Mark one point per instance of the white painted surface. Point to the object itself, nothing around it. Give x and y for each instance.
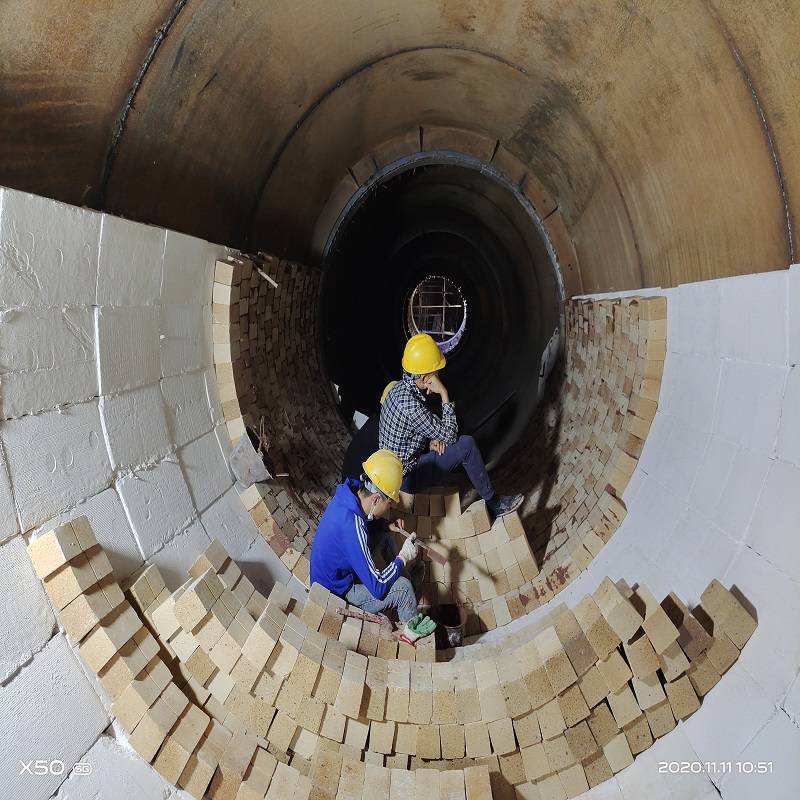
(224, 442)
(205, 469)
(9, 524)
(183, 334)
(66, 453)
(728, 484)
(179, 553)
(642, 779)
(789, 427)
(226, 519)
(54, 714)
(793, 327)
(748, 409)
(186, 405)
(776, 746)
(776, 521)
(48, 252)
(128, 347)
(772, 656)
(55, 459)
(131, 443)
(117, 772)
(753, 317)
(699, 552)
(672, 453)
(26, 616)
(732, 714)
(186, 269)
(47, 356)
(791, 704)
(157, 503)
(658, 514)
(691, 395)
(676, 747)
(212, 396)
(694, 317)
(607, 790)
(130, 263)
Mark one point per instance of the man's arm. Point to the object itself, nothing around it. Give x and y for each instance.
(378, 582)
(430, 426)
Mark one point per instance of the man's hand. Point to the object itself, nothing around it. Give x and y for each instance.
(433, 383)
(398, 526)
(408, 552)
(438, 446)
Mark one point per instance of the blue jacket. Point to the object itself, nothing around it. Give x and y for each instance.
(340, 552)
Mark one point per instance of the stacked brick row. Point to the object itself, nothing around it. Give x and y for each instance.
(217, 685)
(581, 450)
(154, 685)
(479, 561)
(267, 361)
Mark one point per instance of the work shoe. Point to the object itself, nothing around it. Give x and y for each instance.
(502, 504)
(468, 498)
(417, 628)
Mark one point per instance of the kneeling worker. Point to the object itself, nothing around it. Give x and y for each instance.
(340, 556)
(428, 444)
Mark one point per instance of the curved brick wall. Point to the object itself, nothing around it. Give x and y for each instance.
(574, 463)
(268, 368)
(230, 684)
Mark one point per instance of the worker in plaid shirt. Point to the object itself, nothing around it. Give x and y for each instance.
(427, 444)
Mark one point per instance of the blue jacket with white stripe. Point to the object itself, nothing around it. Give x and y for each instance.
(340, 552)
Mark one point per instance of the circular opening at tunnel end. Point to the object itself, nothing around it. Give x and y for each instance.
(437, 307)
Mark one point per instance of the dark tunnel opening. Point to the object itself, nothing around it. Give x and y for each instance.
(457, 221)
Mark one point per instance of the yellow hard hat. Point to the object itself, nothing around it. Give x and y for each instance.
(422, 355)
(389, 387)
(385, 470)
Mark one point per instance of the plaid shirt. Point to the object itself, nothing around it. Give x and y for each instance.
(407, 426)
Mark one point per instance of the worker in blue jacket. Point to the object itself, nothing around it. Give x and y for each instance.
(340, 556)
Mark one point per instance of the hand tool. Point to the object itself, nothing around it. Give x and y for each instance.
(382, 620)
(435, 555)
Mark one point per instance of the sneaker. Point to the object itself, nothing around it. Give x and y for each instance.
(502, 504)
(470, 497)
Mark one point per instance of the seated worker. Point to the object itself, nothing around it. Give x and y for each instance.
(340, 557)
(364, 442)
(429, 445)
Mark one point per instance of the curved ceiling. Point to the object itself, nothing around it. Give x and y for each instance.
(668, 134)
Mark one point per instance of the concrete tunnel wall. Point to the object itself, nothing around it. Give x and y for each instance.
(668, 140)
(667, 136)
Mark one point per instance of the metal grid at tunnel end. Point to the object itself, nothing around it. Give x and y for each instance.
(437, 307)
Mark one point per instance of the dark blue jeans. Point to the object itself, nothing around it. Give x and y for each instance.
(431, 466)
